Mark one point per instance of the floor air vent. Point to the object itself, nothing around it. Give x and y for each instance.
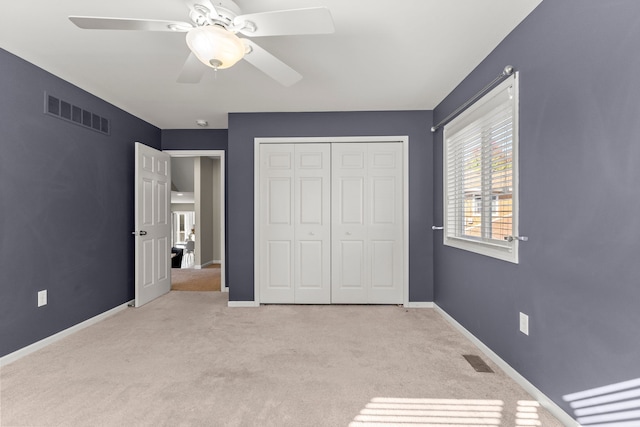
(74, 114)
(477, 363)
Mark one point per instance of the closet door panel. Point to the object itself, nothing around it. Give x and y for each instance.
(349, 249)
(312, 223)
(384, 219)
(276, 223)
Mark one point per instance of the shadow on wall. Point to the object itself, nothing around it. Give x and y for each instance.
(612, 405)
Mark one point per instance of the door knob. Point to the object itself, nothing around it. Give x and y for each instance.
(348, 233)
(311, 233)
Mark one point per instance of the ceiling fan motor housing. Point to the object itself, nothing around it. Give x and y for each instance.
(224, 13)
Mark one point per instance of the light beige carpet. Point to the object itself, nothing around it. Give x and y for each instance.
(187, 359)
(191, 279)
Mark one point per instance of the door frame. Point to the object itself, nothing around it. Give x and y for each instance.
(223, 221)
(404, 139)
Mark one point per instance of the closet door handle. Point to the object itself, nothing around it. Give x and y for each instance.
(311, 233)
(348, 233)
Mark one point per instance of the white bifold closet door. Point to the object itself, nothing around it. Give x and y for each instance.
(330, 223)
(367, 228)
(295, 223)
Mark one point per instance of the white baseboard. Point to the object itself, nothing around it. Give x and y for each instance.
(419, 304)
(12, 357)
(547, 403)
(224, 289)
(206, 264)
(236, 304)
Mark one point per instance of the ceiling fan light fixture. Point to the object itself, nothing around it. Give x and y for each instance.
(215, 47)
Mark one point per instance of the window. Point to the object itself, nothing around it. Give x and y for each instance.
(481, 175)
(183, 222)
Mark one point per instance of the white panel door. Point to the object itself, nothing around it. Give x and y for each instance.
(367, 244)
(152, 224)
(277, 230)
(349, 259)
(312, 223)
(384, 223)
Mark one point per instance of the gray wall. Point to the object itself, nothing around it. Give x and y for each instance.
(194, 139)
(579, 275)
(182, 174)
(66, 207)
(244, 127)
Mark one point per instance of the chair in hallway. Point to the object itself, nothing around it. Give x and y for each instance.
(188, 250)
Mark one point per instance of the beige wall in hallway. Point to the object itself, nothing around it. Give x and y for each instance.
(217, 217)
(204, 208)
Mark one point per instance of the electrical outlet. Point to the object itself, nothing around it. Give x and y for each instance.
(524, 323)
(42, 298)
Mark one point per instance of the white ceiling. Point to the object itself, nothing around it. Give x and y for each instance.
(392, 55)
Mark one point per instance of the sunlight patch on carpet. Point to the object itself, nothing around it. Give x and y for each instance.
(388, 411)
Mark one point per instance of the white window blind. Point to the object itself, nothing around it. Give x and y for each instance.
(480, 175)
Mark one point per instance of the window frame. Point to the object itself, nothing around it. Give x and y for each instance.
(507, 251)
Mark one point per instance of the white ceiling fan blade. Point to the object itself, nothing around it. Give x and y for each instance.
(102, 23)
(192, 70)
(314, 20)
(270, 65)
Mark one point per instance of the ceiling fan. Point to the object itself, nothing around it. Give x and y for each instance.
(212, 35)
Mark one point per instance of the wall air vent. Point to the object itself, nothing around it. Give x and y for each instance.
(74, 114)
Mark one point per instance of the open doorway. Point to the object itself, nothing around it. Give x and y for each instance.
(198, 217)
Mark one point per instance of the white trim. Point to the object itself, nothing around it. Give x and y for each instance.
(328, 139)
(419, 304)
(32, 348)
(205, 265)
(547, 403)
(241, 304)
(405, 208)
(256, 216)
(220, 154)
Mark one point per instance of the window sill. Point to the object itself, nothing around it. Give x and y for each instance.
(505, 253)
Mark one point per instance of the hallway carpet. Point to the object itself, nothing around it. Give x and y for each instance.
(191, 279)
(186, 359)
